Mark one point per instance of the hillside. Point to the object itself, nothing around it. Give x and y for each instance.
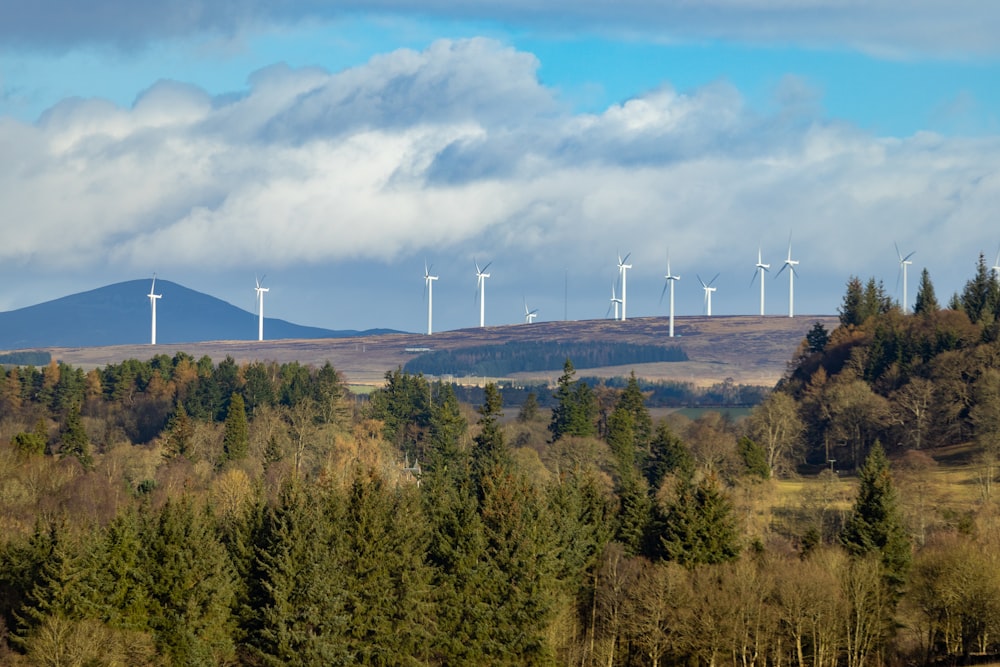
(746, 349)
(119, 314)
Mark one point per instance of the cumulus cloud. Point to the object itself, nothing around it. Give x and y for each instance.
(459, 150)
(893, 27)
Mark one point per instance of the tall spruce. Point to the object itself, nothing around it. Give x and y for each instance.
(73, 438)
(576, 408)
(236, 437)
(926, 302)
(699, 526)
(875, 525)
(981, 295)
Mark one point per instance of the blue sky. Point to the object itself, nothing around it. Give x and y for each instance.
(336, 149)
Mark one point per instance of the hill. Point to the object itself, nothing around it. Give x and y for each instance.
(119, 314)
(744, 349)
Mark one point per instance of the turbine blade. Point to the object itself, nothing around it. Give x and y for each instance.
(700, 280)
(487, 266)
(782, 269)
(666, 283)
(714, 279)
(909, 256)
(754, 278)
(898, 254)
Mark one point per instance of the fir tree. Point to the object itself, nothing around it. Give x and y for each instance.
(699, 526)
(668, 456)
(236, 439)
(73, 438)
(180, 434)
(191, 586)
(529, 409)
(851, 307)
(876, 523)
(489, 453)
(817, 337)
(754, 458)
(981, 295)
(575, 408)
(926, 302)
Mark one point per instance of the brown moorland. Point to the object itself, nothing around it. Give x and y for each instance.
(744, 349)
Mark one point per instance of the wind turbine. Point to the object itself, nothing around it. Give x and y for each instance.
(761, 268)
(614, 302)
(903, 263)
(153, 296)
(708, 292)
(529, 315)
(260, 307)
(996, 265)
(622, 269)
(429, 284)
(481, 277)
(670, 279)
(789, 264)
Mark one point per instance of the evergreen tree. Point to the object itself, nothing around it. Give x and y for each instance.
(575, 408)
(851, 308)
(876, 523)
(634, 503)
(926, 302)
(73, 438)
(296, 613)
(191, 586)
(236, 438)
(115, 580)
(875, 301)
(385, 575)
(754, 458)
(489, 453)
(817, 337)
(180, 434)
(698, 526)
(668, 455)
(529, 409)
(981, 295)
(633, 402)
(403, 405)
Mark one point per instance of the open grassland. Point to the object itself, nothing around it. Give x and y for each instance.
(745, 349)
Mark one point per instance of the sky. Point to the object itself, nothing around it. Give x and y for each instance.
(339, 148)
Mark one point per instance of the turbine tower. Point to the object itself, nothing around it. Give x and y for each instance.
(429, 285)
(153, 296)
(789, 264)
(708, 292)
(529, 315)
(670, 280)
(260, 307)
(614, 302)
(903, 263)
(481, 277)
(622, 269)
(761, 268)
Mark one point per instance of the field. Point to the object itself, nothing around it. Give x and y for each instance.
(744, 349)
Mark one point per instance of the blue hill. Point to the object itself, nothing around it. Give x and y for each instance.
(119, 314)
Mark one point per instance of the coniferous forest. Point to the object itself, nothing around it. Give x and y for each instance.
(180, 512)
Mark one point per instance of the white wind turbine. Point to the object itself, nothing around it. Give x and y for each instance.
(670, 280)
(903, 263)
(614, 302)
(429, 284)
(260, 307)
(761, 268)
(481, 277)
(708, 292)
(789, 264)
(622, 269)
(153, 296)
(529, 315)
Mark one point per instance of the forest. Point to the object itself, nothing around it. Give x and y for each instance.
(180, 512)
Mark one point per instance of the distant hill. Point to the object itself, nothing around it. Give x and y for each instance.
(119, 314)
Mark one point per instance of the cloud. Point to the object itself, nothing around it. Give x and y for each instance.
(457, 151)
(890, 27)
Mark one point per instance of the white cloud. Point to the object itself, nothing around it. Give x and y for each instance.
(458, 150)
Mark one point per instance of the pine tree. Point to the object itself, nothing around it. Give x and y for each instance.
(236, 439)
(926, 302)
(817, 337)
(575, 408)
(668, 456)
(851, 308)
(529, 409)
(74, 438)
(190, 585)
(876, 523)
(490, 454)
(296, 613)
(699, 526)
(981, 295)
